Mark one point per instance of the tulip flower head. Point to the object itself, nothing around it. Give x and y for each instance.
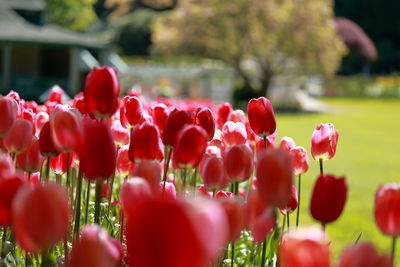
(261, 116)
(19, 136)
(234, 133)
(238, 163)
(30, 160)
(300, 160)
(287, 143)
(328, 198)
(324, 141)
(145, 143)
(9, 112)
(387, 209)
(101, 92)
(131, 112)
(304, 247)
(205, 119)
(364, 255)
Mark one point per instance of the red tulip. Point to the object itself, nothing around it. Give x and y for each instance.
(169, 191)
(65, 126)
(328, 198)
(387, 209)
(364, 255)
(274, 176)
(270, 142)
(150, 170)
(287, 143)
(96, 248)
(40, 217)
(6, 164)
(79, 103)
(59, 164)
(131, 111)
(40, 120)
(238, 162)
(205, 119)
(261, 116)
(213, 173)
(190, 147)
(160, 115)
(305, 247)
(292, 204)
(30, 160)
(323, 142)
(223, 111)
(101, 92)
(134, 192)
(8, 111)
(9, 187)
(175, 122)
(186, 234)
(237, 116)
(19, 136)
(56, 94)
(234, 133)
(224, 194)
(235, 212)
(300, 160)
(119, 133)
(97, 152)
(46, 144)
(145, 143)
(260, 217)
(124, 165)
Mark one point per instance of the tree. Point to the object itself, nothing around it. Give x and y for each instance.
(73, 14)
(271, 36)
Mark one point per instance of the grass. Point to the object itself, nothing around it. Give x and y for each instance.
(368, 154)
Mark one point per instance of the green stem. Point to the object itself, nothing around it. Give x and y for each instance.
(47, 260)
(232, 253)
(110, 196)
(284, 223)
(78, 204)
(168, 152)
(97, 202)
(265, 142)
(321, 167)
(47, 175)
(236, 186)
(194, 177)
(323, 226)
(393, 249)
(3, 242)
(66, 248)
(288, 219)
(29, 177)
(87, 201)
(184, 180)
(58, 179)
(299, 197)
(264, 248)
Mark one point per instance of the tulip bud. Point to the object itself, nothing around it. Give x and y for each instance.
(205, 119)
(261, 116)
(9, 187)
(65, 126)
(96, 248)
(19, 136)
(40, 217)
(387, 209)
(79, 103)
(234, 133)
(101, 92)
(169, 191)
(190, 147)
(124, 165)
(212, 172)
(59, 164)
(56, 94)
(30, 160)
(8, 111)
(145, 143)
(274, 176)
(223, 111)
(174, 123)
(287, 143)
(160, 115)
(304, 247)
(237, 116)
(292, 204)
(41, 119)
(323, 142)
(328, 198)
(46, 144)
(131, 111)
(119, 133)
(364, 255)
(238, 162)
(97, 151)
(300, 160)
(260, 217)
(150, 170)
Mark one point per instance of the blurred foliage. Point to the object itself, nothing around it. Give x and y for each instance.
(381, 21)
(258, 38)
(363, 86)
(73, 14)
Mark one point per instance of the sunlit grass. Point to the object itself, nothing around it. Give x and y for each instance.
(368, 154)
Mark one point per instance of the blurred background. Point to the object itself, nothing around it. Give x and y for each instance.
(336, 61)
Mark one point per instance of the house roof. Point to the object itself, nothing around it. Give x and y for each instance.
(14, 29)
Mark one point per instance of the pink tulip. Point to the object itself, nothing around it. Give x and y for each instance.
(300, 160)
(30, 160)
(19, 136)
(234, 133)
(324, 141)
(8, 111)
(238, 162)
(287, 143)
(134, 192)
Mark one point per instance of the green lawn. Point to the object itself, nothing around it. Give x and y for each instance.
(368, 154)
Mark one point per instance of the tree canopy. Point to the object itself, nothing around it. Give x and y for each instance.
(269, 36)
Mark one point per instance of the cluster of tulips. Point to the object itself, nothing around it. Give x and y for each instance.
(176, 184)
